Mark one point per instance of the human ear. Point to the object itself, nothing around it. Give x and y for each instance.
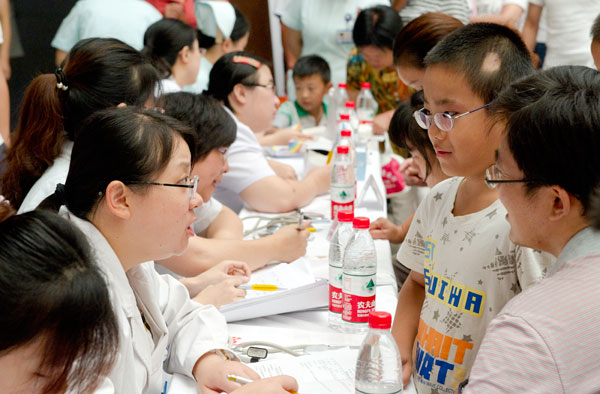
(117, 199)
(239, 93)
(184, 54)
(227, 45)
(561, 203)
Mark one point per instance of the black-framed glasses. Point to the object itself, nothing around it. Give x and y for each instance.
(443, 120)
(189, 183)
(493, 176)
(270, 86)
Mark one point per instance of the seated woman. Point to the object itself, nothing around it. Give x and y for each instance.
(136, 208)
(244, 85)
(172, 47)
(218, 228)
(372, 61)
(59, 332)
(99, 73)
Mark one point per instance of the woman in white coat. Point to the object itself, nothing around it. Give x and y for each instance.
(129, 190)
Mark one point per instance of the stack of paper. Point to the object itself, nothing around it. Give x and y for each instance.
(303, 292)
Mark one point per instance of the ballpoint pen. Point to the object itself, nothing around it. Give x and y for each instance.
(261, 287)
(243, 380)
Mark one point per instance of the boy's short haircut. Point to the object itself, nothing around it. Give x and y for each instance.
(312, 65)
(404, 132)
(210, 122)
(552, 120)
(595, 32)
(489, 56)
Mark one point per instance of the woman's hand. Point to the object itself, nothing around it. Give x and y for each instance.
(283, 137)
(216, 274)
(283, 170)
(290, 242)
(211, 373)
(223, 293)
(281, 384)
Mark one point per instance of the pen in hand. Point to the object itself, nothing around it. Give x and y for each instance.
(243, 380)
(261, 287)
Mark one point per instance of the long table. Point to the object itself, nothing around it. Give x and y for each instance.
(311, 327)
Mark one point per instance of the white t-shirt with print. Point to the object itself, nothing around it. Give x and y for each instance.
(247, 164)
(206, 214)
(471, 270)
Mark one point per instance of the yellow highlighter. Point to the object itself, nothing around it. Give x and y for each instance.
(261, 287)
(243, 380)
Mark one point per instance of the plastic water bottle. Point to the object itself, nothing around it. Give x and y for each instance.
(342, 183)
(358, 276)
(345, 139)
(338, 243)
(350, 109)
(379, 366)
(366, 108)
(341, 96)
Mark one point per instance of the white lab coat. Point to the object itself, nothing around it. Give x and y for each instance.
(182, 329)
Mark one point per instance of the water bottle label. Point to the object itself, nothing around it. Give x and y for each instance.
(359, 297)
(336, 207)
(335, 289)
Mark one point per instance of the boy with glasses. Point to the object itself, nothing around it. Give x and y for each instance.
(464, 268)
(546, 339)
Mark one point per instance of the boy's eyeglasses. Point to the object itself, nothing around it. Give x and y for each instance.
(442, 120)
(190, 183)
(493, 176)
(269, 86)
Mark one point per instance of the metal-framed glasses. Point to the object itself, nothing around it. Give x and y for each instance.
(270, 86)
(493, 176)
(443, 120)
(187, 182)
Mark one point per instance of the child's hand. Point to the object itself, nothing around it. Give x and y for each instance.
(384, 229)
(410, 172)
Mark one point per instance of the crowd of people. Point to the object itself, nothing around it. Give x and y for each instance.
(122, 182)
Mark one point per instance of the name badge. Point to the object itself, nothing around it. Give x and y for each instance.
(344, 36)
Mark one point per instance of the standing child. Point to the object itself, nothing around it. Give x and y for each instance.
(464, 266)
(312, 80)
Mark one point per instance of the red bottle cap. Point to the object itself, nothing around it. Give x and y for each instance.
(344, 117)
(359, 222)
(380, 320)
(342, 85)
(345, 216)
(342, 150)
(365, 85)
(350, 104)
(346, 133)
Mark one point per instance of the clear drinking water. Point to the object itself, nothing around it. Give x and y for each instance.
(379, 366)
(338, 243)
(358, 275)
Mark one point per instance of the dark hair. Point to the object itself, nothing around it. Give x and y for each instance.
(489, 56)
(100, 73)
(595, 31)
(226, 73)
(53, 292)
(552, 120)
(213, 126)
(405, 133)
(164, 40)
(126, 144)
(594, 212)
(376, 26)
(241, 27)
(421, 34)
(312, 65)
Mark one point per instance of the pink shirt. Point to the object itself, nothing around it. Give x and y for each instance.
(547, 339)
